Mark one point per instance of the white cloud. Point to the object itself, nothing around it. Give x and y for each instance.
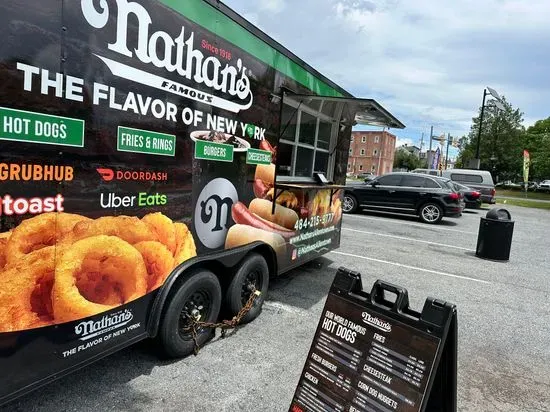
(426, 61)
(272, 6)
(404, 141)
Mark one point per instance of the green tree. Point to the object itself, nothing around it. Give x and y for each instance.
(537, 141)
(501, 143)
(404, 159)
(465, 152)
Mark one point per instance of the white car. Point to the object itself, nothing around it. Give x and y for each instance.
(544, 186)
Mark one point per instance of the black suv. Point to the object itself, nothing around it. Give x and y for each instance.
(426, 196)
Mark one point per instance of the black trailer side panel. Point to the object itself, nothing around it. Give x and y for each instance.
(109, 181)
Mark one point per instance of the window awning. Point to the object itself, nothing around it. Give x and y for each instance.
(363, 111)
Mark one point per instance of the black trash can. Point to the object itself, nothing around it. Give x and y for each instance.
(494, 239)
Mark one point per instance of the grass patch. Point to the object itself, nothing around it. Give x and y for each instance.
(522, 195)
(524, 203)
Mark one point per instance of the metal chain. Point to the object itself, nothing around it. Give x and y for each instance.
(224, 324)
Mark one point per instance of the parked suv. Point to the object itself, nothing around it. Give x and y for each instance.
(480, 180)
(428, 197)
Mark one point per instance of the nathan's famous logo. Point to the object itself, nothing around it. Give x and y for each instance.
(32, 172)
(142, 199)
(35, 205)
(172, 53)
(90, 329)
(213, 212)
(132, 175)
(376, 322)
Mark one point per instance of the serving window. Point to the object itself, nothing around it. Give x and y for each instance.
(307, 135)
(309, 130)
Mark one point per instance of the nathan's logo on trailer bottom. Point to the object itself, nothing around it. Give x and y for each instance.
(90, 329)
(213, 212)
(376, 322)
(173, 54)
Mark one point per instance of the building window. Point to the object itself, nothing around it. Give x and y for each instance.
(364, 139)
(375, 152)
(352, 138)
(376, 139)
(349, 167)
(373, 168)
(304, 147)
(362, 152)
(351, 152)
(360, 167)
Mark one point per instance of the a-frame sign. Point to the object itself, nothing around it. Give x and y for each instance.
(372, 353)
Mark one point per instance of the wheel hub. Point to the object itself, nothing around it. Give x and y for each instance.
(348, 204)
(249, 285)
(431, 213)
(196, 309)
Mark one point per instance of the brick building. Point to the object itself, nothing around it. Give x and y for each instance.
(371, 152)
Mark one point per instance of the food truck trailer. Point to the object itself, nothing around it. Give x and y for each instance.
(160, 160)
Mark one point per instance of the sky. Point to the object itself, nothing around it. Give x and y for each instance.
(426, 61)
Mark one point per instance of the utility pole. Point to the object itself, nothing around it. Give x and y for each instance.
(428, 156)
(422, 141)
(447, 154)
(480, 125)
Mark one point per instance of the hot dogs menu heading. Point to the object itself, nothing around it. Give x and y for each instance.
(361, 360)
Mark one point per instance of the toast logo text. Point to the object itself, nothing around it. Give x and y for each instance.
(376, 322)
(35, 173)
(34, 205)
(143, 199)
(213, 212)
(109, 175)
(92, 328)
(174, 53)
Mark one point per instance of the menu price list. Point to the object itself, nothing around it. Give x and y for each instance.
(361, 360)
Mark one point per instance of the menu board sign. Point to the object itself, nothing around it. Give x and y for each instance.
(363, 359)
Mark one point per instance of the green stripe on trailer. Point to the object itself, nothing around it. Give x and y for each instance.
(211, 19)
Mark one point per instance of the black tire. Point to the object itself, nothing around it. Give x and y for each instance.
(350, 203)
(430, 213)
(200, 292)
(252, 270)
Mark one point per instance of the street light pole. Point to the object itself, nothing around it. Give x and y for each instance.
(430, 151)
(480, 124)
(447, 154)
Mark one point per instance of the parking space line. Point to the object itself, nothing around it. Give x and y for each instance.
(404, 222)
(407, 238)
(436, 272)
(279, 306)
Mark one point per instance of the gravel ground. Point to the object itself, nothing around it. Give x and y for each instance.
(503, 315)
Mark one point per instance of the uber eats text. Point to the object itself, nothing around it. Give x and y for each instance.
(112, 200)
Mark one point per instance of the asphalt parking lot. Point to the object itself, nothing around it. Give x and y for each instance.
(503, 315)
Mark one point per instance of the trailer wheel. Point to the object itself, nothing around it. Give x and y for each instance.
(253, 271)
(200, 296)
